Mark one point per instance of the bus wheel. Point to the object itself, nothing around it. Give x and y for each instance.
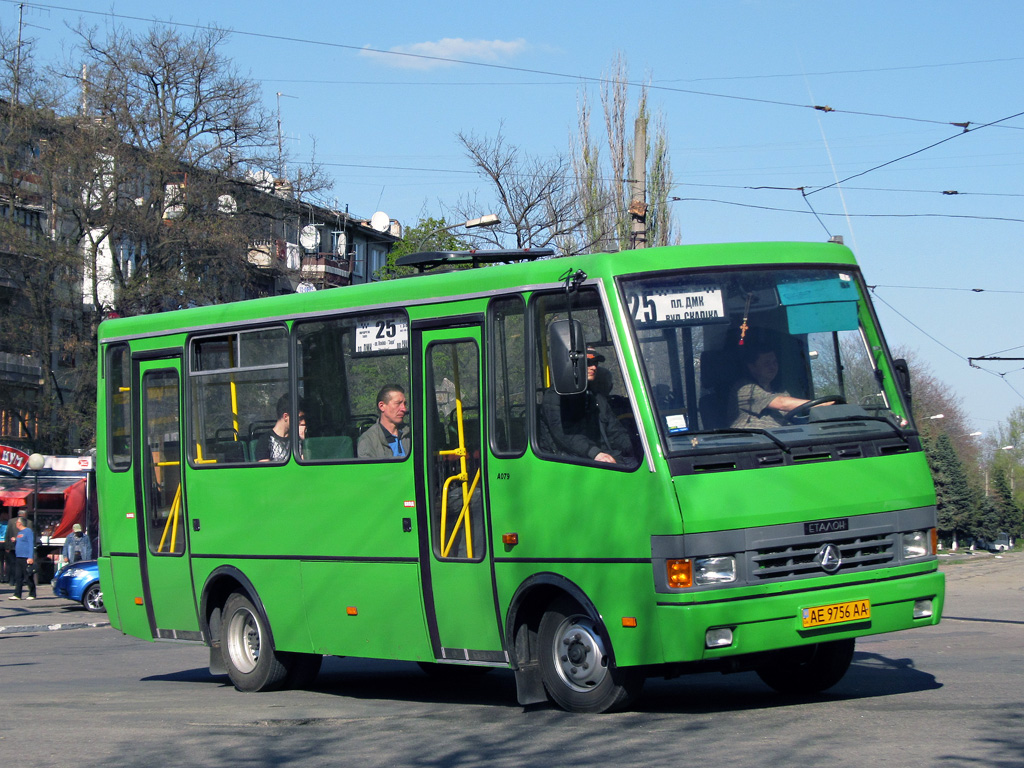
(807, 670)
(248, 652)
(574, 662)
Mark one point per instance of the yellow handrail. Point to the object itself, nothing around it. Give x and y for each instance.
(462, 476)
(174, 514)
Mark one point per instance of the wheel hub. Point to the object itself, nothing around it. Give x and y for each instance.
(581, 661)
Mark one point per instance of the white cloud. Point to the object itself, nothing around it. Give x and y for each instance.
(441, 53)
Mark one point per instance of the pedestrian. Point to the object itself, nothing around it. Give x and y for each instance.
(8, 550)
(5, 577)
(77, 546)
(24, 560)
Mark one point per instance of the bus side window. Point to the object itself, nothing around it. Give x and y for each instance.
(507, 360)
(236, 380)
(597, 425)
(119, 407)
(342, 364)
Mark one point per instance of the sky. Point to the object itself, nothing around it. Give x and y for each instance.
(379, 92)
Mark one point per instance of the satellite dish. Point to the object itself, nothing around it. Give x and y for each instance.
(309, 237)
(262, 180)
(226, 204)
(341, 247)
(380, 221)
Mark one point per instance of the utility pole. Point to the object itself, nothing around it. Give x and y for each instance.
(638, 184)
(17, 55)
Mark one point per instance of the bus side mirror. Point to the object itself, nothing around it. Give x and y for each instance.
(902, 371)
(567, 357)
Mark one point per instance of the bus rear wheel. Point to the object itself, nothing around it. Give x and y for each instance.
(247, 648)
(807, 670)
(575, 663)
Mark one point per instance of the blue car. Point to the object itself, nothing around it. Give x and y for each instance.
(80, 582)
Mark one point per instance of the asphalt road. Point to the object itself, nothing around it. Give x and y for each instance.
(949, 695)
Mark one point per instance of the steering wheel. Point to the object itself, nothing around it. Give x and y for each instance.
(801, 411)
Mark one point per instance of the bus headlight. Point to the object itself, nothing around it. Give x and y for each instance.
(714, 570)
(916, 544)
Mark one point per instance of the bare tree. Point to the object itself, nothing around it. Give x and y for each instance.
(603, 187)
(42, 334)
(175, 131)
(535, 197)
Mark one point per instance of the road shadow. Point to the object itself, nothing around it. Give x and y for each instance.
(871, 675)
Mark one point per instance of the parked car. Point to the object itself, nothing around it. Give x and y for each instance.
(80, 582)
(1001, 543)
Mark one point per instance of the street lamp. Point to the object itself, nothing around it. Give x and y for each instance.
(487, 220)
(937, 416)
(36, 462)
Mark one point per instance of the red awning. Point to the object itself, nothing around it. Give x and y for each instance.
(15, 497)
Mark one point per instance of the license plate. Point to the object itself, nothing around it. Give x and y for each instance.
(837, 613)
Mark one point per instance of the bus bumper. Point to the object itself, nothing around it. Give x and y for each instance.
(724, 627)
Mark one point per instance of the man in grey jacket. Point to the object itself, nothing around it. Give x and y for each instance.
(389, 437)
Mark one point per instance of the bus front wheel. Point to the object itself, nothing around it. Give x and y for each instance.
(575, 663)
(247, 648)
(807, 670)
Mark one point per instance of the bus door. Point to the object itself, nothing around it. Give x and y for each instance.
(458, 574)
(161, 513)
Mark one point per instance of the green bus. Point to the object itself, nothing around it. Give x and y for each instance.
(615, 466)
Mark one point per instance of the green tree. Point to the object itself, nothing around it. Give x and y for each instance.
(956, 503)
(604, 186)
(428, 234)
(1004, 514)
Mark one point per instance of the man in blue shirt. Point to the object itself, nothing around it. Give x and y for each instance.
(24, 550)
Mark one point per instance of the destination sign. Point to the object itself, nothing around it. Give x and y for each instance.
(699, 304)
(382, 333)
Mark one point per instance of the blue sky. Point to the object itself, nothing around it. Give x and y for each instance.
(735, 81)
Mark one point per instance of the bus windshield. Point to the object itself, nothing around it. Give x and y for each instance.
(738, 359)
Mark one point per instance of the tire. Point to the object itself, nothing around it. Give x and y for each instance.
(575, 662)
(808, 670)
(302, 669)
(247, 649)
(92, 598)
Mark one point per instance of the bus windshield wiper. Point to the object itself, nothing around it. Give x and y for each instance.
(752, 430)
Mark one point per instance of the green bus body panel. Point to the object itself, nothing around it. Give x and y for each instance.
(107, 585)
(577, 511)
(388, 622)
(126, 579)
(814, 491)
(353, 510)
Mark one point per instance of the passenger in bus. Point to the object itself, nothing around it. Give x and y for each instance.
(585, 425)
(389, 437)
(273, 446)
(756, 403)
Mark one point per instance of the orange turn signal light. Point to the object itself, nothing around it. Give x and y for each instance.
(679, 573)
(352, 611)
(935, 541)
(628, 621)
(510, 538)
(138, 601)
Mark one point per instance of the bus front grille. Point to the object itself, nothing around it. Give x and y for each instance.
(804, 559)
